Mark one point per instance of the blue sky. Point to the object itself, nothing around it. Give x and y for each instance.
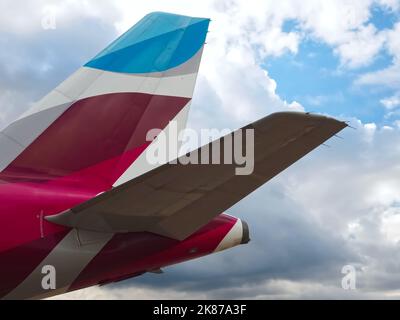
(315, 77)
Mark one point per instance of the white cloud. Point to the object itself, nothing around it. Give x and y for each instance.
(129, 293)
(392, 5)
(393, 41)
(29, 21)
(391, 225)
(366, 38)
(389, 76)
(264, 290)
(391, 102)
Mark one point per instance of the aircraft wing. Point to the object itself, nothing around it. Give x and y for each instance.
(176, 200)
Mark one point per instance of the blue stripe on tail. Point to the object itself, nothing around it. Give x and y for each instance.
(159, 42)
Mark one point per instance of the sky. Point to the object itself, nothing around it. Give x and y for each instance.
(338, 206)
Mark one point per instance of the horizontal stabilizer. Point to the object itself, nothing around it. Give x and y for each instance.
(176, 200)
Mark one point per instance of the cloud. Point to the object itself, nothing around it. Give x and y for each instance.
(391, 102)
(387, 77)
(366, 38)
(66, 12)
(392, 5)
(35, 60)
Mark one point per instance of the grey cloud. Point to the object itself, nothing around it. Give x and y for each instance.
(32, 64)
(285, 245)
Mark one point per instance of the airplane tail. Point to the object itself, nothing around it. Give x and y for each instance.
(92, 128)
